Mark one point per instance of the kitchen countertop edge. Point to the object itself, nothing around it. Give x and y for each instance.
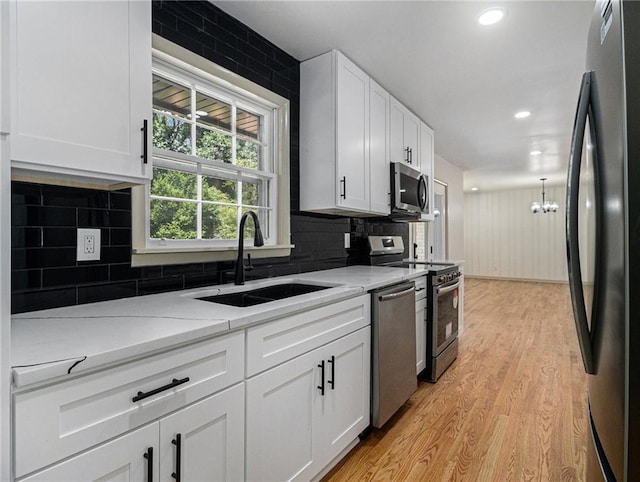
(81, 326)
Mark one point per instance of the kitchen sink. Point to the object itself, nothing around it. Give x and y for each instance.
(266, 294)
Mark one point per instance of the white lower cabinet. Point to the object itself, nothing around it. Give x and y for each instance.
(279, 401)
(122, 459)
(305, 412)
(204, 441)
(196, 391)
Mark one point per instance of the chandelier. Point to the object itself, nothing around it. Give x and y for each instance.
(546, 206)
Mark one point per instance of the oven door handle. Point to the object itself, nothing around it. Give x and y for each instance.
(447, 289)
(399, 294)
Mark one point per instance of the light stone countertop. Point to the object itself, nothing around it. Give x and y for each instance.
(53, 343)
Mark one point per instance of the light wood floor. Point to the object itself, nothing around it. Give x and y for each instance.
(510, 408)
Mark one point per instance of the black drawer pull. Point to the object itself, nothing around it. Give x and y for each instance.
(174, 383)
(321, 387)
(333, 372)
(149, 456)
(178, 443)
(144, 130)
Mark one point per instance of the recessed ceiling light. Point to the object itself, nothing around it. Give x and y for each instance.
(535, 153)
(491, 16)
(474, 188)
(202, 113)
(522, 114)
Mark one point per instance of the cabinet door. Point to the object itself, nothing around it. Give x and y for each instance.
(81, 88)
(120, 460)
(405, 135)
(411, 138)
(379, 186)
(421, 334)
(426, 164)
(208, 438)
(352, 133)
(398, 149)
(282, 409)
(346, 404)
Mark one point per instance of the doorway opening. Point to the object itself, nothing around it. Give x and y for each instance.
(429, 240)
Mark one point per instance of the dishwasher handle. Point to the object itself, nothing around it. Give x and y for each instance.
(399, 294)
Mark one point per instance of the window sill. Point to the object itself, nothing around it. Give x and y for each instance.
(159, 256)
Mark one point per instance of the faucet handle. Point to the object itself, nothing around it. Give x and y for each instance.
(249, 266)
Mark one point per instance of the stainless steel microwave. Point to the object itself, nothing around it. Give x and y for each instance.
(409, 192)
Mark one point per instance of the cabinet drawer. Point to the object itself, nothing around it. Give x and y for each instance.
(57, 421)
(273, 343)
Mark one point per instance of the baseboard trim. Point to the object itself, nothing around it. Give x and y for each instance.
(525, 280)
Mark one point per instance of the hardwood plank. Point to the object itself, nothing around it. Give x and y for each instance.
(512, 407)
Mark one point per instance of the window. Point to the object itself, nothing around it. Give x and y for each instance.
(218, 151)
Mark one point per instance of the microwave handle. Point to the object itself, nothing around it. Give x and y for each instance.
(423, 188)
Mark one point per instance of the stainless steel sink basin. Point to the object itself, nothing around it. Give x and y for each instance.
(266, 294)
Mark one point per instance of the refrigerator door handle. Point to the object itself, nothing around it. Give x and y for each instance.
(573, 252)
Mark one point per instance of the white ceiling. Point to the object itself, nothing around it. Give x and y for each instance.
(465, 80)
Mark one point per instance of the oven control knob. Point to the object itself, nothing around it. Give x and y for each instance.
(441, 279)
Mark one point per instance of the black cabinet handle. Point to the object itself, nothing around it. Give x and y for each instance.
(321, 387)
(343, 181)
(411, 156)
(174, 383)
(406, 149)
(333, 372)
(145, 152)
(149, 456)
(178, 443)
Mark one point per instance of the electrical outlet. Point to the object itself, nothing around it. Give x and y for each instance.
(88, 245)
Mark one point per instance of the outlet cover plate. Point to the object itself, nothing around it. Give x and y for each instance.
(88, 245)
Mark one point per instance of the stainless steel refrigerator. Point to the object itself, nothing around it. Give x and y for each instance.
(603, 238)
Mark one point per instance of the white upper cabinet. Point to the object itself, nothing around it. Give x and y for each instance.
(352, 135)
(405, 134)
(81, 90)
(350, 130)
(379, 187)
(427, 165)
(335, 122)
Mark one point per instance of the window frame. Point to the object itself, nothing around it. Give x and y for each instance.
(170, 61)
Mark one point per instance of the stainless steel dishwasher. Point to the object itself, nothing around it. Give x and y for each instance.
(394, 350)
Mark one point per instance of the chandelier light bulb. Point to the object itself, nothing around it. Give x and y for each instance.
(545, 206)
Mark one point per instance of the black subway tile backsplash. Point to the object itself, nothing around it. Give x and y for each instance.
(45, 273)
(62, 196)
(43, 299)
(26, 280)
(59, 237)
(160, 285)
(120, 237)
(106, 292)
(74, 276)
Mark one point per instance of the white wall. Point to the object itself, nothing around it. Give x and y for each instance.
(452, 176)
(504, 239)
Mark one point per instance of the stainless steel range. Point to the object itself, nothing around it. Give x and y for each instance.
(443, 291)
